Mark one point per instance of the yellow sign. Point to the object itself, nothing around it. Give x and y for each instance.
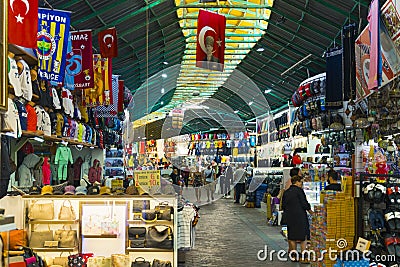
(147, 179)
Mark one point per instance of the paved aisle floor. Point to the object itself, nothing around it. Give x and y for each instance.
(229, 235)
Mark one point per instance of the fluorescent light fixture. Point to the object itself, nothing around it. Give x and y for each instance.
(251, 103)
(38, 139)
(214, 129)
(236, 111)
(92, 147)
(164, 75)
(165, 63)
(261, 49)
(11, 134)
(162, 90)
(144, 138)
(162, 103)
(267, 91)
(194, 106)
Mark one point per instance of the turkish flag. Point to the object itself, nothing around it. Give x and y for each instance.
(108, 43)
(23, 22)
(210, 40)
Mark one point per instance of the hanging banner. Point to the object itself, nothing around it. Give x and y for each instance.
(99, 95)
(80, 60)
(147, 179)
(111, 111)
(390, 59)
(108, 43)
(52, 43)
(375, 63)
(69, 81)
(210, 47)
(22, 22)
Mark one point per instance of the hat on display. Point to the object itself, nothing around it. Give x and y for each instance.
(34, 190)
(81, 190)
(105, 190)
(132, 190)
(93, 190)
(47, 190)
(69, 190)
(119, 191)
(58, 192)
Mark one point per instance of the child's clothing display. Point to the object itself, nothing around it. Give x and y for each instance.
(63, 157)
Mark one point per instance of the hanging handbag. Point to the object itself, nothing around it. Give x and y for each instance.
(160, 263)
(41, 211)
(79, 260)
(99, 261)
(139, 205)
(66, 238)
(159, 236)
(137, 237)
(140, 262)
(149, 216)
(164, 211)
(67, 212)
(120, 260)
(38, 238)
(61, 261)
(17, 239)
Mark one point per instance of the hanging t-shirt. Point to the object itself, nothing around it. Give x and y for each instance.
(13, 76)
(56, 99)
(23, 115)
(25, 80)
(12, 119)
(43, 120)
(67, 102)
(32, 118)
(81, 129)
(59, 125)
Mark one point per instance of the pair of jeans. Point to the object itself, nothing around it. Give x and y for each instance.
(239, 189)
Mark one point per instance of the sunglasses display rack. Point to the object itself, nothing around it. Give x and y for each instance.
(379, 215)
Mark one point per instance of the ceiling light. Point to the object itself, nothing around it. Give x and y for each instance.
(236, 111)
(164, 75)
(162, 103)
(261, 49)
(165, 63)
(267, 91)
(162, 90)
(250, 103)
(214, 129)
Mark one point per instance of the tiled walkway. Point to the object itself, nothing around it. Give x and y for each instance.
(229, 235)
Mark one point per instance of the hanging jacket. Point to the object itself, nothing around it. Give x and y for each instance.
(86, 166)
(56, 99)
(25, 80)
(13, 76)
(59, 125)
(78, 169)
(63, 155)
(22, 113)
(67, 102)
(5, 167)
(46, 172)
(95, 172)
(43, 120)
(25, 171)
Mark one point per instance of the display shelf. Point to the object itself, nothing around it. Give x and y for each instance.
(149, 250)
(26, 53)
(53, 221)
(55, 249)
(100, 236)
(158, 222)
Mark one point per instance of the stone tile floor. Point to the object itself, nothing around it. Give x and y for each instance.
(230, 235)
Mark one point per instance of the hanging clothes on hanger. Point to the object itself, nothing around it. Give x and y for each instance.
(63, 157)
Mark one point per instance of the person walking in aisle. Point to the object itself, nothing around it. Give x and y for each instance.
(239, 177)
(228, 180)
(209, 178)
(293, 172)
(197, 183)
(295, 207)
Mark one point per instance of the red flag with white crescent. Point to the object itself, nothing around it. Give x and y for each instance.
(108, 43)
(23, 22)
(210, 48)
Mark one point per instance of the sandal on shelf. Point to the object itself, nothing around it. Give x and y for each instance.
(390, 245)
(390, 219)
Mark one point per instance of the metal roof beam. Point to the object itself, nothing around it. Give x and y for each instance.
(236, 6)
(134, 13)
(337, 9)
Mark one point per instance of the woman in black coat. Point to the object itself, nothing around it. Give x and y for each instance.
(295, 207)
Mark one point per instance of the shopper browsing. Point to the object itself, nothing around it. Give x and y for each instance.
(295, 207)
(209, 178)
(293, 172)
(333, 178)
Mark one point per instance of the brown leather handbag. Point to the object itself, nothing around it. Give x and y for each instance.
(18, 238)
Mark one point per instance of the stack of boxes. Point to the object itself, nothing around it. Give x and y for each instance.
(333, 227)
